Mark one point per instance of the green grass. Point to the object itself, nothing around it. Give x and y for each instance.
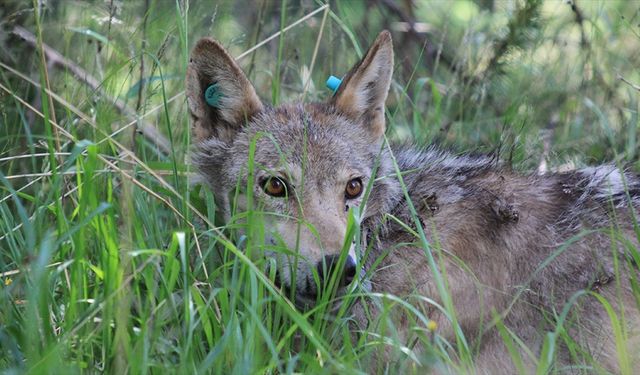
(112, 260)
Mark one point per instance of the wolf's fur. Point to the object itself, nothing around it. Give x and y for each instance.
(513, 244)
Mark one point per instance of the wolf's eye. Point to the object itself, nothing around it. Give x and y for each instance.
(275, 187)
(353, 189)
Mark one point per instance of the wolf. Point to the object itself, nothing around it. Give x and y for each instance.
(498, 243)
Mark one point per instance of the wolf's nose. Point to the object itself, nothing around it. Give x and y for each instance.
(349, 270)
(327, 266)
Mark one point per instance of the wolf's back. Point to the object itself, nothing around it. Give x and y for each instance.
(608, 183)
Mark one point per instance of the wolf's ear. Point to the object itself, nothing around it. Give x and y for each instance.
(364, 89)
(231, 99)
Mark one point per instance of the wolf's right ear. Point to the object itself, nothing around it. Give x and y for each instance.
(231, 100)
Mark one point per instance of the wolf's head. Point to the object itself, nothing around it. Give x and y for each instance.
(312, 162)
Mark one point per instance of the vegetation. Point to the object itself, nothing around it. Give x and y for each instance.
(112, 258)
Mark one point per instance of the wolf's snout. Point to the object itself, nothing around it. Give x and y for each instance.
(328, 265)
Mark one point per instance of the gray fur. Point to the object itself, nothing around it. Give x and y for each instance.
(503, 225)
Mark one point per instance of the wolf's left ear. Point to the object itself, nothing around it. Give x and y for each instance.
(364, 89)
(220, 97)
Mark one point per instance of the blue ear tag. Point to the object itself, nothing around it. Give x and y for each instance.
(333, 83)
(212, 95)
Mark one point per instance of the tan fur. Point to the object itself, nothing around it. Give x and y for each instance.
(498, 276)
(513, 245)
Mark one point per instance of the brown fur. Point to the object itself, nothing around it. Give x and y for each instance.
(519, 246)
(504, 254)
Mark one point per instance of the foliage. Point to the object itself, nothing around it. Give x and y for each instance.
(112, 258)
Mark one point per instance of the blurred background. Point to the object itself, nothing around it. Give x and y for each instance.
(519, 76)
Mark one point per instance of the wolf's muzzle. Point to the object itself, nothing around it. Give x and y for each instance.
(329, 264)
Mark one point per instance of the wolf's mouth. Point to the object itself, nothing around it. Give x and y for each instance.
(306, 299)
(302, 299)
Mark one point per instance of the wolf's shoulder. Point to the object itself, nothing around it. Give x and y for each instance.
(424, 162)
(433, 171)
(411, 156)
